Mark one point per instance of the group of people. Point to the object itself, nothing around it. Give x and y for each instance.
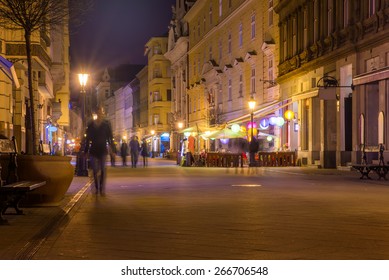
(135, 149)
(99, 140)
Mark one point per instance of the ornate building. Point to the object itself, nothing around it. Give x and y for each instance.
(178, 44)
(232, 58)
(160, 94)
(333, 68)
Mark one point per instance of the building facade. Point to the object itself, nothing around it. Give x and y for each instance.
(160, 95)
(178, 47)
(232, 59)
(50, 73)
(333, 61)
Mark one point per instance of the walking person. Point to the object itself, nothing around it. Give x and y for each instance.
(134, 150)
(124, 152)
(98, 135)
(253, 149)
(144, 153)
(112, 154)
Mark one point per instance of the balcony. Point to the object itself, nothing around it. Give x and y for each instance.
(157, 104)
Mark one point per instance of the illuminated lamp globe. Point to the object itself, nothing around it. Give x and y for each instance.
(273, 121)
(235, 127)
(269, 138)
(280, 121)
(289, 115)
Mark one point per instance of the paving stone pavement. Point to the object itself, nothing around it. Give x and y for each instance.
(174, 213)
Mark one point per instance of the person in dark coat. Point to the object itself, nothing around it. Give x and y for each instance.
(134, 150)
(253, 149)
(144, 152)
(124, 152)
(98, 135)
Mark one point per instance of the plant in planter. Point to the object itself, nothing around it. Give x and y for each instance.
(40, 19)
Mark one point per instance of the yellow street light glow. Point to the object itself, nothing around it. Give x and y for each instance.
(289, 115)
(83, 78)
(252, 103)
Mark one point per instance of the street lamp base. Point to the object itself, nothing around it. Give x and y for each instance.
(81, 165)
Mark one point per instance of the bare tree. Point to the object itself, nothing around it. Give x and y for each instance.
(37, 15)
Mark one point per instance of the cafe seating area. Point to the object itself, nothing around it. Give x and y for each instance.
(276, 159)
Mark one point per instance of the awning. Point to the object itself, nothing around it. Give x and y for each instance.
(265, 110)
(9, 70)
(196, 129)
(225, 133)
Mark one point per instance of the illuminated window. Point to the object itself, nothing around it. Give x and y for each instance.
(229, 43)
(229, 89)
(270, 12)
(253, 80)
(240, 35)
(252, 26)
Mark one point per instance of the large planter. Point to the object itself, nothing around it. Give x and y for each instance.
(55, 170)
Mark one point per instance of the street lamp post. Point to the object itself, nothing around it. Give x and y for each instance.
(81, 163)
(252, 149)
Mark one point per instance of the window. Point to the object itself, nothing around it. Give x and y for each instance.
(305, 23)
(240, 35)
(229, 89)
(270, 12)
(294, 36)
(229, 43)
(285, 42)
(205, 24)
(253, 80)
(240, 85)
(156, 96)
(315, 20)
(270, 68)
(229, 3)
(210, 15)
(220, 51)
(252, 26)
(194, 33)
(198, 28)
(330, 17)
(169, 95)
(345, 13)
(371, 7)
(220, 8)
(210, 53)
(156, 118)
(194, 67)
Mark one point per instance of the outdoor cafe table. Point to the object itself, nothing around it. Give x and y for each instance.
(225, 159)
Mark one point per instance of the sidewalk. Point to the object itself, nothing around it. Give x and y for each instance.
(25, 232)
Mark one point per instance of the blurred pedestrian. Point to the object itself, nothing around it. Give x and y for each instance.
(98, 135)
(124, 152)
(253, 149)
(112, 154)
(144, 152)
(134, 150)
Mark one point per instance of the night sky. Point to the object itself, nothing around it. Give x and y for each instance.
(115, 32)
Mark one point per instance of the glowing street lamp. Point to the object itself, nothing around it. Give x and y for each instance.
(252, 104)
(81, 162)
(83, 79)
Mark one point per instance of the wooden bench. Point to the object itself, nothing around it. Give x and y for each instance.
(11, 189)
(381, 169)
